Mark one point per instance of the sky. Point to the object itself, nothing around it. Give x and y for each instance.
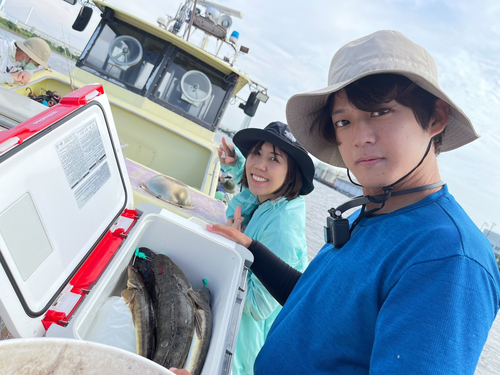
(290, 48)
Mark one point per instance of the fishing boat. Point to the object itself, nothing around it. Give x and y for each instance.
(167, 97)
(156, 101)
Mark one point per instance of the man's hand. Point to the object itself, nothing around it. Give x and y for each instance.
(21, 77)
(227, 155)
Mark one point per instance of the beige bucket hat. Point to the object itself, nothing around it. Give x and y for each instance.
(384, 51)
(37, 49)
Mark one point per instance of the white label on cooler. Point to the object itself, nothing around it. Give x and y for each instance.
(84, 162)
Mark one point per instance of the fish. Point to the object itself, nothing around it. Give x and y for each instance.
(199, 345)
(137, 298)
(177, 315)
(143, 266)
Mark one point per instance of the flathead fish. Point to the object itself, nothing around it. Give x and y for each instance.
(176, 307)
(143, 266)
(139, 302)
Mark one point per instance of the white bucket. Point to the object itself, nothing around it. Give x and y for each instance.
(55, 356)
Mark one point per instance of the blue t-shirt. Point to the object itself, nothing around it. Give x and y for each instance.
(412, 292)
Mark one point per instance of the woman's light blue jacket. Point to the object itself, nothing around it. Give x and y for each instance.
(279, 225)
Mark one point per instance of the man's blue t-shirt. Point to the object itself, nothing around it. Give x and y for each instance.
(412, 292)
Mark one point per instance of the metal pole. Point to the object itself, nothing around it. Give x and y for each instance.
(205, 41)
(26, 22)
(191, 20)
(246, 122)
(492, 225)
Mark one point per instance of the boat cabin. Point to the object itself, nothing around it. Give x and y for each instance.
(167, 95)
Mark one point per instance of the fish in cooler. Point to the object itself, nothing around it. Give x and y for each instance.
(177, 309)
(139, 301)
(200, 343)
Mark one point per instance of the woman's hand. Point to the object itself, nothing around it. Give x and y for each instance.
(179, 372)
(227, 155)
(236, 221)
(231, 232)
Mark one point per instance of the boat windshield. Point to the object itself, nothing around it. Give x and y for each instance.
(152, 67)
(170, 91)
(126, 61)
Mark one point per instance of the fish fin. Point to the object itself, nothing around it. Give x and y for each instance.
(198, 323)
(198, 301)
(128, 295)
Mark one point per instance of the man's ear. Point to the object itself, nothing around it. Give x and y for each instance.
(440, 117)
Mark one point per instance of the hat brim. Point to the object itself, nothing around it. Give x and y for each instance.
(245, 140)
(302, 111)
(32, 55)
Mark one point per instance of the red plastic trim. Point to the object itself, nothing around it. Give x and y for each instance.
(87, 275)
(89, 272)
(39, 122)
(53, 317)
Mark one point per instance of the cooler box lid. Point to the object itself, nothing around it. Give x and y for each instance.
(63, 185)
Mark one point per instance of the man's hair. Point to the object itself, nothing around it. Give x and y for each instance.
(369, 93)
(290, 188)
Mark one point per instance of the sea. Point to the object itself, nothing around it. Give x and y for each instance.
(317, 203)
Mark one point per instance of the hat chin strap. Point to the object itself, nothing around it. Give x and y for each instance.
(388, 189)
(335, 223)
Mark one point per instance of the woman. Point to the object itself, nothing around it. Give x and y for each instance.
(274, 171)
(409, 285)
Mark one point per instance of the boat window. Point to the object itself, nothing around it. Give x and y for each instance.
(170, 91)
(125, 55)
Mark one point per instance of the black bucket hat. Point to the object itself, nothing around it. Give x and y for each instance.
(279, 134)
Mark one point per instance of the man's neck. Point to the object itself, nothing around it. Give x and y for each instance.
(426, 174)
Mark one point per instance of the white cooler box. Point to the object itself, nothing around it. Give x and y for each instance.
(68, 230)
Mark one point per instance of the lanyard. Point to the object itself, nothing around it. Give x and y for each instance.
(337, 230)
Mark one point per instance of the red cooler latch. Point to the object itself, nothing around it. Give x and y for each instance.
(61, 311)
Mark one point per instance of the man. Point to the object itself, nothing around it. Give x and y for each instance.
(409, 285)
(18, 59)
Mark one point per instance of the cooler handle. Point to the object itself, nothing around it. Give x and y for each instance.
(243, 287)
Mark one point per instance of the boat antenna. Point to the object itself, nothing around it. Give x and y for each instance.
(66, 50)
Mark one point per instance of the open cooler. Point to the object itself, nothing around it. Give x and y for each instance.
(68, 230)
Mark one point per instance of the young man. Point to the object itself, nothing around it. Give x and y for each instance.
(412, 287)
(18, 59)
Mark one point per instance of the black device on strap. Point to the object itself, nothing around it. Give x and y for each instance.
(337, 231)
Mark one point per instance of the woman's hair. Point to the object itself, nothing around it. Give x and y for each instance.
(290, 188)
(368, 93)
